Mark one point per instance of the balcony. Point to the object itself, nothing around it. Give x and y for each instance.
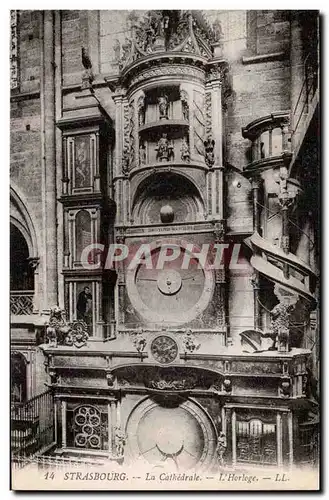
(270, 141)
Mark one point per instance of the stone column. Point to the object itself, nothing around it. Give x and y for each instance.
(63, 424)
(48, 139)
(279, 438)
(256, 184)
(118, 154)
(233, 438)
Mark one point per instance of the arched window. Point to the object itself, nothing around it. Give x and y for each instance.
(18, 377)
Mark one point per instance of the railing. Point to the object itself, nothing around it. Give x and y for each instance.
(21, 302)
(269, 136)
(307, 92)
(32, 425)
(55, 462)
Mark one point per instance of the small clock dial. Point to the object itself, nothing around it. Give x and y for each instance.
(164, 349)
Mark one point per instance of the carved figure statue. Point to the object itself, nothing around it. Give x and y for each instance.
(87, 74)
(163, 107)
(189, 342)
(116, 50)
(142, 154)
(184, 100)
(139, 341)
(164, 148)
(280, 324)
(221, 448)
(141, 110)
(209, 146)
(58, 327)
(185, 150)
(120, 442)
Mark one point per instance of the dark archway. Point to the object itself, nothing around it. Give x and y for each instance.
(18, 378)
(21, 273)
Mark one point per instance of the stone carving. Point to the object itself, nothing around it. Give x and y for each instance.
(78, 334)
(87, 75)
(169, 69)
(208, 113)
(166, 382)
(110, 379)
(163, 103)
(217, 31)
(142, 154)
(125, 163)
(119, 442)
(221, 448)
(185, 150)
(285, 387)
(126, 132)
(141, 110)
(209, 146)
(13, 50)
(132, 134)
(58, 328)
(279, 316)
(61, 332)
(139, 341)
(190, 345)
(116, 50)
(185, 107)
(164, 149)
(227, 385)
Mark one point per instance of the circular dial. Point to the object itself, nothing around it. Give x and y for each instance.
(174, 294)
(169, 282)
(164, 349)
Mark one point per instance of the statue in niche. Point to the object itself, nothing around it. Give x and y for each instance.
(184, 100)
(119, 441)
(141, 110)
(164, 148)
(185, 150)
(116, 50)
(142, 154)
(209, 146)
(163, 103)
(221, 448)
(217, 31)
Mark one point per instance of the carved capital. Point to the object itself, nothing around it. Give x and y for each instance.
(34, 262)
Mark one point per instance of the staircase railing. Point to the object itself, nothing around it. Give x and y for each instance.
(32, 425)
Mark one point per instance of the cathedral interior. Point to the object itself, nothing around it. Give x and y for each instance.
(181, 130)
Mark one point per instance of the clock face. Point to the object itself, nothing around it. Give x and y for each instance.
(173, 294)
(164, 349)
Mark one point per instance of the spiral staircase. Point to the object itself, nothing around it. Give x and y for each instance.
(294, 280)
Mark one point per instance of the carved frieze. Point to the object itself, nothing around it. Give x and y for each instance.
(178, 70)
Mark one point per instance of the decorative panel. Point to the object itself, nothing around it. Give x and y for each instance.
(83, 233)
(256, 442)
(87, 428)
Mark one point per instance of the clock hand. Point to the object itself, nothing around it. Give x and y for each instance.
(146, 279)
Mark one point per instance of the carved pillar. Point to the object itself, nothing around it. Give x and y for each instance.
(279, 439)
(63, 410)
(256, 184)
(220, 295)
(291, 439)
(119, 146)
(121, 282)
(214, 131)
(113, 425)
(233, 438)
(34, 263)
(48, 158)
(285, 199)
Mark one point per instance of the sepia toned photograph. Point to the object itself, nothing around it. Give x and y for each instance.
(165, 250)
